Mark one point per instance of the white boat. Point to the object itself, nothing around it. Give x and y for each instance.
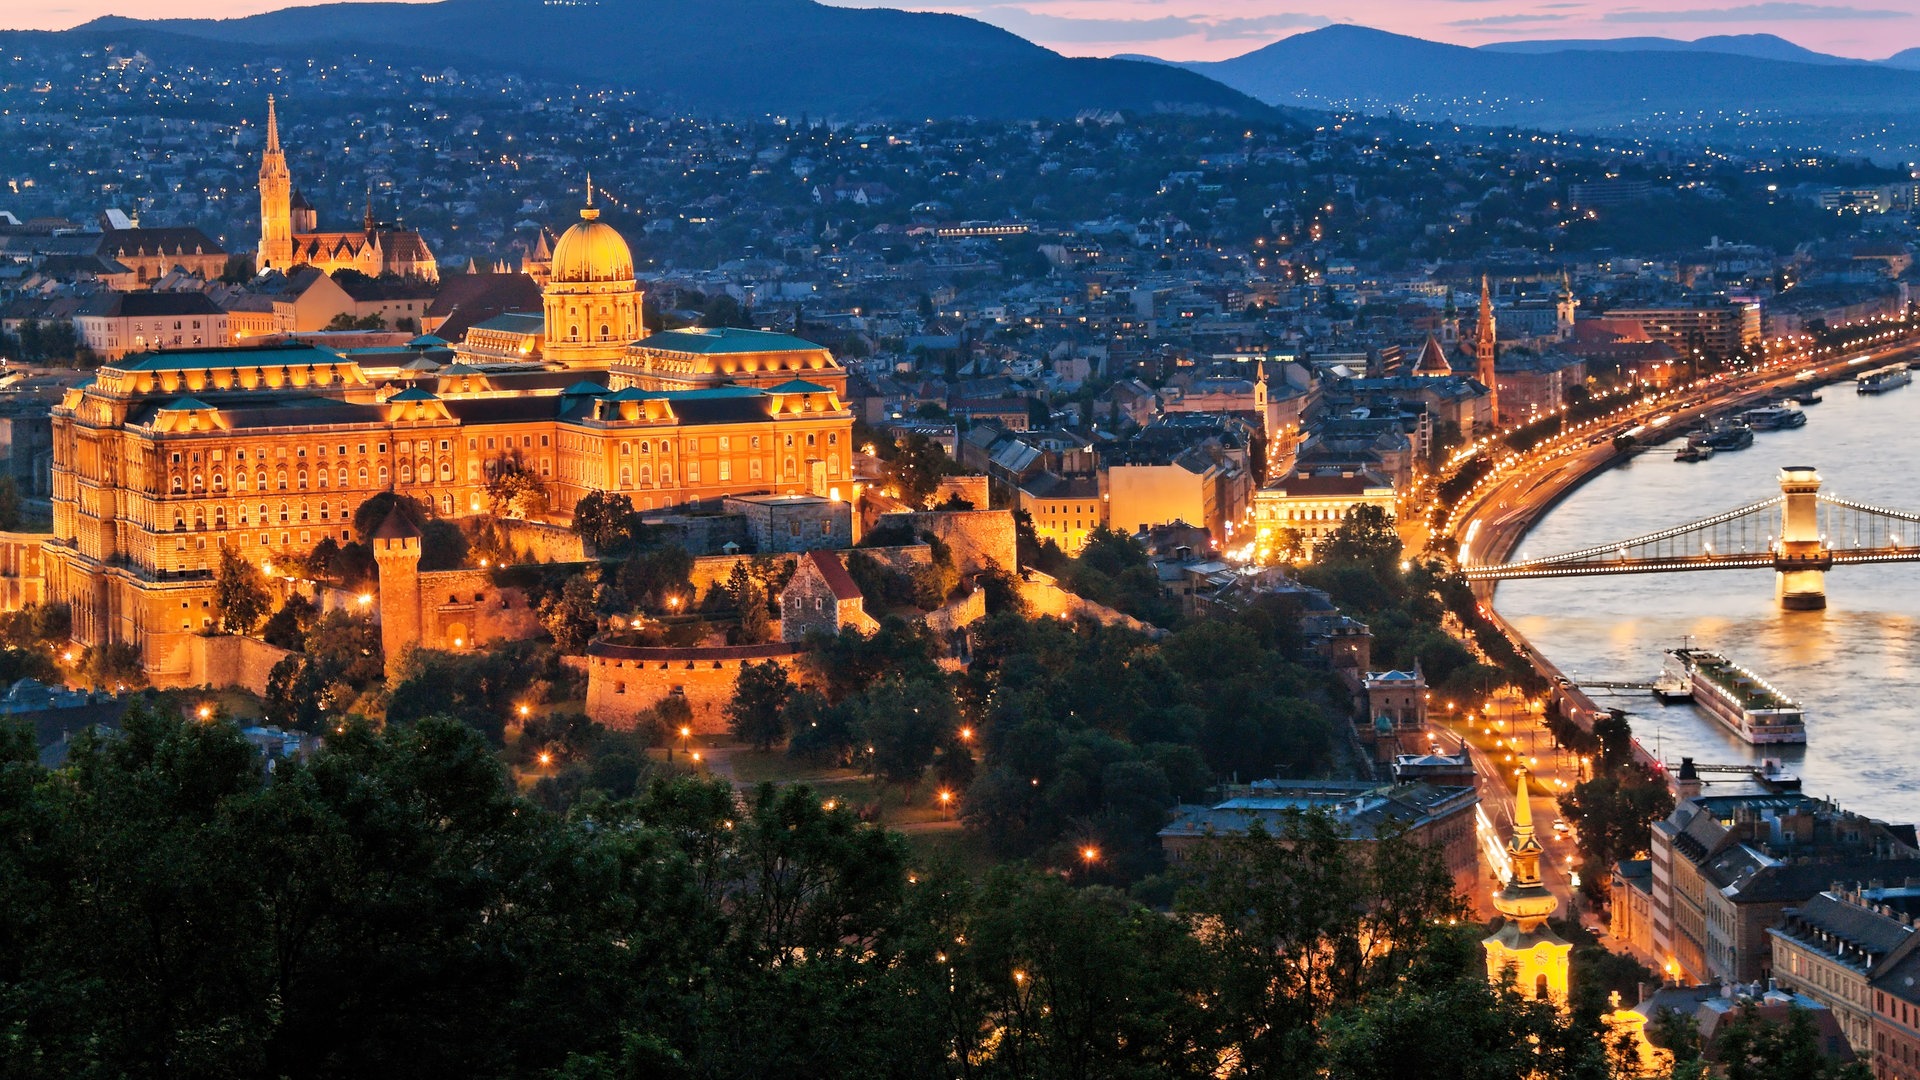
(1881, 380)
(1741, 701)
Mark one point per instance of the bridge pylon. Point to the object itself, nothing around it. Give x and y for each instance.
(1801, 560)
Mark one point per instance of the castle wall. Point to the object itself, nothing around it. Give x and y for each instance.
(624, 681)
(225, 660)
(541, 542)
(977, 538)
(463, 609)
(1045, 597)
(710, 570)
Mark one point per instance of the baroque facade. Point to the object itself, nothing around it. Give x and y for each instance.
(167, 458)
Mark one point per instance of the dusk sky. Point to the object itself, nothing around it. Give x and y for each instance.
(1215, 29)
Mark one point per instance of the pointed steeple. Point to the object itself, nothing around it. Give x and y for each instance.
(1525, 943)
(1486, 350)
(368, 219)
(273, 128)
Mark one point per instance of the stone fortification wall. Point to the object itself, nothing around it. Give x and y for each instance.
(225, 660)
(461, 609)
(1044, 596)
(958, 614)
(977, 538)
(710, 570)
(624, 681)
(540, 542)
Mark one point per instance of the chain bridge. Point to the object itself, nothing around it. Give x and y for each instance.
(1799, 534)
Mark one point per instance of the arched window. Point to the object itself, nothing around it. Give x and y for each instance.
(446, 503)
(322, 474)
(604, 331)
(406, 474)
(446, 471)
(573, 333)
(301, 479)
(626, 476)
(792, 469)
(343, 476)
(219, 482)
(1540, 987)
(280, 478)
(176, 486)
(363, 475)
(646, 475)
(260, 479)
(219, 517)
(199, 482)
(383, 475)
(284, 510)
(833, 464)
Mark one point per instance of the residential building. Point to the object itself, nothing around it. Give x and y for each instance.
(1834, 945)
(114, 324)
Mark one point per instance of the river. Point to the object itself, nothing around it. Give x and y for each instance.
(1855, 667)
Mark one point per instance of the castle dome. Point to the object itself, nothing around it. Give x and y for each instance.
(590, 251)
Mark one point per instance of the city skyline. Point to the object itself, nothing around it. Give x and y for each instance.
(1221, 29)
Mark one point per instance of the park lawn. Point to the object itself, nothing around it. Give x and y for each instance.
(954, 849)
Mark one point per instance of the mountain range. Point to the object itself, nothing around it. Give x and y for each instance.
(1575, 85)
(712, 56)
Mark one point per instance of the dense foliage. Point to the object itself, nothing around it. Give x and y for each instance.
(389, 907)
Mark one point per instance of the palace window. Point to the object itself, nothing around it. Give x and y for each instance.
(626, 476)
(753, 469)
(383, 474)
(726, 470)
(363, 475)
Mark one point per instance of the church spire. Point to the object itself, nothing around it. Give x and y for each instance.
(1486, 351)
(368, 220)
(273, 128)
(276, 201)
(1525, 943)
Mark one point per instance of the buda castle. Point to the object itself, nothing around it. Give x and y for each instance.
(166, 458)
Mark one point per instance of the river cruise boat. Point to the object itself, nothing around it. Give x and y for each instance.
(1807, 397)
(1730, 435)
(1775, 418)
(1883, 379)
(1739, 700)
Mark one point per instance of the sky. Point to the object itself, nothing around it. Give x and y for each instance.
(1217, 29)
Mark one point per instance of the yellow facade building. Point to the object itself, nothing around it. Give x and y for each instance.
(1524, 944)
(168, 457)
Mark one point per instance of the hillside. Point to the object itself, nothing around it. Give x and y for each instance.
(730, 56)
(1759, 46)
(1374, 71)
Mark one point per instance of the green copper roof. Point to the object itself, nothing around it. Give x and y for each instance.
(515, 322)
(583, 388)
(414, 394)
(724, 339)
(425, 341)
(291, 354)
(800, 386)
(186, 404)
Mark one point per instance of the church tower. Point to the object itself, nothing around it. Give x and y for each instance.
(1450, 321)
(1486, 349)
(1525, 942)
(1564, 306)
(276, 201)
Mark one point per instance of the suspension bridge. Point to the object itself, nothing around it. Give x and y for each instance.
(1799, 534)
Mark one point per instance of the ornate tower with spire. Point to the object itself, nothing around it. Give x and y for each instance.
(1564, 306)
(276, 201)
(1450, 321)
(1486, 349)
(1525, 942)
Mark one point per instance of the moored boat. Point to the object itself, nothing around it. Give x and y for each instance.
(1881, 380)
(1739, 700)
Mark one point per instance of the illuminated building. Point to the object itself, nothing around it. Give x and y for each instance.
(289, 236)
(1524, 942)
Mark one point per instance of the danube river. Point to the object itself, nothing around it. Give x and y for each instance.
(1855, 667)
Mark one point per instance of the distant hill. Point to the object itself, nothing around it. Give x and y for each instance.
(1565, 89)
(1906, 58)
(730, 56)
(1759, 46)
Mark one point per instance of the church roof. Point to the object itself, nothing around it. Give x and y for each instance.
(1433, 359)
(711, 340)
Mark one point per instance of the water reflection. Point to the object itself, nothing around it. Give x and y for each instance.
(1853, 666)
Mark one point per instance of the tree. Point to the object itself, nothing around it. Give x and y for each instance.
(347, 321)
(10, 509)
(114, 666)
(604, 520)
(906, 723)
(240, 595)
(1753, 1047)
(514, 490)
(572, 615)
(287, 629)
(1365, 536)
(1613, 816)
(756, 715)
(917, 467)
(755, 622)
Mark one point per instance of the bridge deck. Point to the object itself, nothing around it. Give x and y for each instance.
(1683, 563)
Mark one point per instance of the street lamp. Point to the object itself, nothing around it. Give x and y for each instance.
(946, 803)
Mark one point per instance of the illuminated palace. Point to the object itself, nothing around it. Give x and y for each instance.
(168, 457)
(289, 235)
